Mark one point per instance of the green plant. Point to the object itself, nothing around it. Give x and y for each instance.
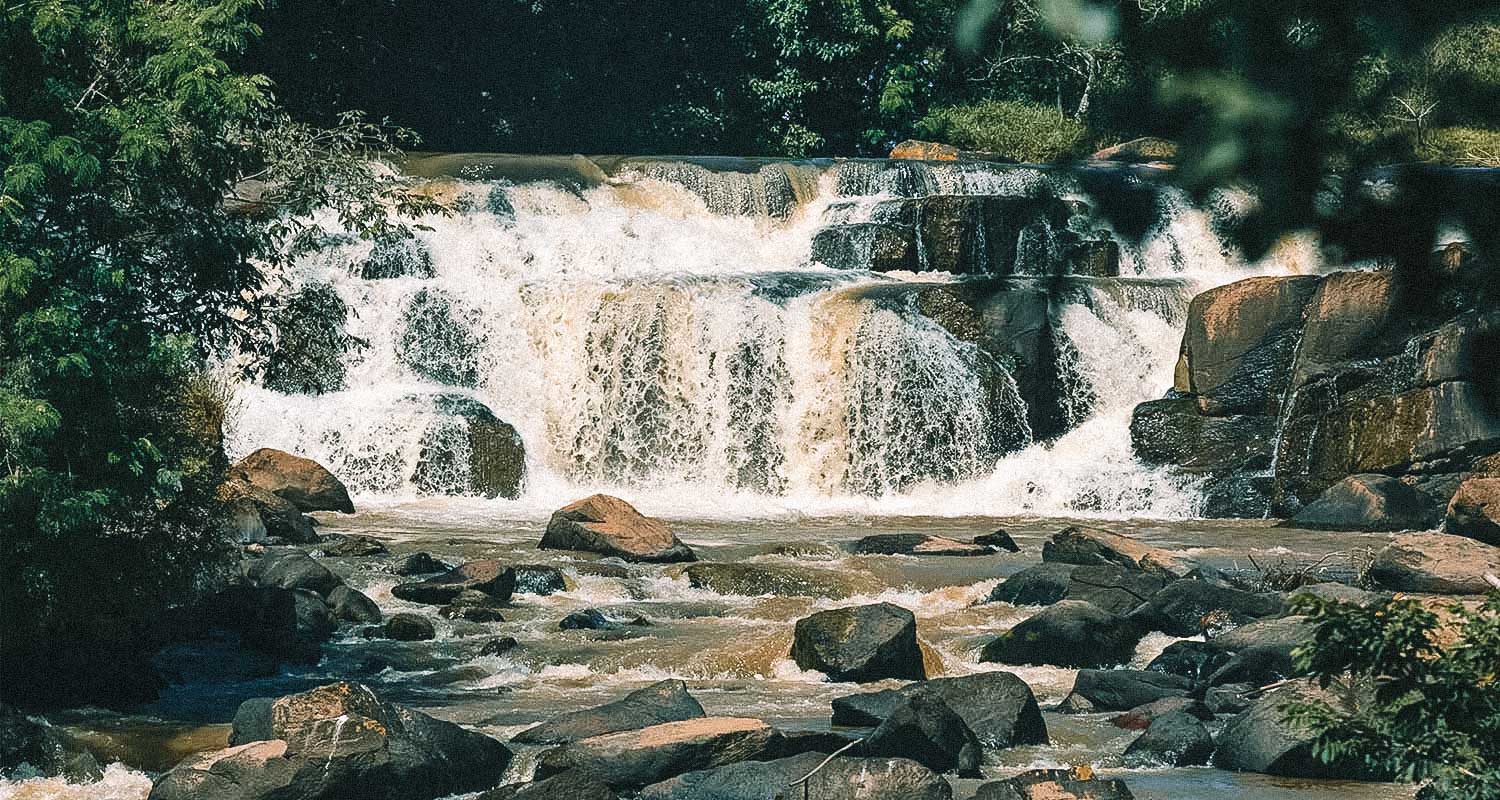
(1026, 132)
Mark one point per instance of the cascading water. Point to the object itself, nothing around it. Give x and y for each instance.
(665, 331)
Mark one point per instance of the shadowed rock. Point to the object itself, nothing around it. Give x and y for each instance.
(666, 701)
(1092, 546)
(923, 728)
(998, 706)
(1173, 740)
(1369, 503)
(860, 643)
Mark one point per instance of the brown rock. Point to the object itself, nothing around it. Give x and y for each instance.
(1087, 546)
(1475, 510)
(302, 481)
(276, 515)
(1435, 562)
(918, 150)
(603, 524)
(1145, 149)
(486, 575)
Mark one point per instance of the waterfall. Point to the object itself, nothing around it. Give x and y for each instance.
(663, 330)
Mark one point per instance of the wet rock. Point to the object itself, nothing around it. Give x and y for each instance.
(311, 343)
(1122, 689)
(1141, 717)
(754, 580)
(923, 728)
(1188, 607)
(252, 721)
(1262, 650)
(487, 576)
(749, 780)
(1343, 593)
(405, 628)
(1092, 546)
(356, 546)
(608, 525)
(474, 606)
(289, 624)
(275, 516)
(29, 748)
(1230, 698)
(666, 701)
(1435, 562)
(418, 563)
(292, 570)
(397, 257)
(573, 785)
(1368, 503)
(916, 544)
(860, 643)
(1039, 585)
(844, 778)
(1226, 453)
(630, 759)
(301, 481)
(1240, 341)
(1078, 783)
(499, 646)
(497, 202)
(1189, 659)
(1071, 633)
(872, 246)
(1173, 740)
(1262, 739)
(866, 709)
(997, 706)
(539, 579)
(468, 450)
(592, 619)
(341, 741)
(1474, 511)
(351, 605)
(1112, 588)
(436, 342)
(1000, 540)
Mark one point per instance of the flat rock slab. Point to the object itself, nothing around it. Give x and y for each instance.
(630, 759)
(667, 701)
(1435, 562)
(608, 525)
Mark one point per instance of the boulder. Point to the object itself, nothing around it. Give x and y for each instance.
(608, 525)
(1435, 562)
(1262, 739)
(865, 709)
(340, 741)
(498, 646)
(29, 748)
(1078, 783)
(418, 563)
(539, 579)
(1038, 585)
(487, 576)
(1071, 633)
(866, 245)
(860, 643)
(1475, 510)
(1122, 689)
(753, 580)
(1141, 717)
(923, 728)
(1343, 593)
(292, 570)
(1189, 659)
(252, 721)
(356, 546)
(573, 785)
(467, 450)
(406, 628)
(474, 606)
(997, 706)
(924, 151)
(301, 481)
(1000, 540)
(748, 780)
(1230, 698)
(635, 758)
(1188, 607)
(666, 701)
(1368, 503)
(1114, 589)
(1262, 650)
(1173, 740)
(351, 605)
(592, 619)
(843, 778)
(916, 544)
(1092, 546)
(275, 515)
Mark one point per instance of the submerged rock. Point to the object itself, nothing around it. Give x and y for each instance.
(997, 706)
(860, 643)
(592, 619)
(487, 576)
(405, 627)
(666, 701)
(311, 343)
(539, 579)
(753, 580)
(1369, 503)
(635, 758)
(916, 544)
(1071, 633)
(352, 546)
(418, 563)
(1000, 540)
(303, 482)
(1435, 562)
(608, 525)
(474, 606)
(435, 342)
(923, 728)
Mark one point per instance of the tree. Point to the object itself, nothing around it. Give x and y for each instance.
(124, 135)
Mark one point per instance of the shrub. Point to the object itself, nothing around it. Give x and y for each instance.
(1026, 132)
(1464, 146)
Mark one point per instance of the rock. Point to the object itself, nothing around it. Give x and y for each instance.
(252, 721)
(1123, 689)
(1435, 562)
(292, 570)
(844, 778)
(1000, 540)
(1262, 739)
(1071, 633)
(916, 544)
(871, 246)
(1188, 607)
(351, 605)
(923, 728)
(435, 340)
(1475, 510)
(487, 576)
(290, 625)
(1145, 149)
(666, 701)
(1114, 589)
(408, 628)
(356, 546)
(1173, 740)
(608, 525)
(1038, 585)
(1262, 650)
(924, 151)
(997, 706)
(276, 516)
(539, 579)
(592, 619)
(1189, 659)
(418, 563)
(29, 748)
(467, 450)
(1230, 698)
(474, 606)
(860, 643)
(566, 786)
(1343, 593)
(311, 342)
(397, 256)
(341, 741)
(1368, 503)
(499, 646)
(301, 481)
(1078, 783)
(753, 580)
(866, 709)
(1141, 717)
(630, 759)
(1091, 546)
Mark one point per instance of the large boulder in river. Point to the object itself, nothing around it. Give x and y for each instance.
(1475, 510)
(925, 729)
(843, 778)
(341, 741)
(1122, 689)
(1092, 546)
(1071, 633)
(486, 575)
(301, 481)
(1369, 503)
(667, 701)
(1262, 739)
(273, 515)
(608, 525)
(860, 643)
(631, 759)
(466, 449)
(288, 624)
(292, 569)
(1173, 740)
(1435, 562)
(1188, 607)
(998, 706)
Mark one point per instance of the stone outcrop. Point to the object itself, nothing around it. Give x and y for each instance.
(861, 643)
(1435, 562)
(667, 701)
(303, 482)
(1369, 503)
(1071, 633)
(1475, 510)
(610, 526)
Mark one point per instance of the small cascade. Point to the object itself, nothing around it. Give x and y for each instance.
(666, 328)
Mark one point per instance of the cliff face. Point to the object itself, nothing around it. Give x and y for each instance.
(1287, 385)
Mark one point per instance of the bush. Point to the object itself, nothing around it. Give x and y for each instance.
(1026, 132)
(1464, 146)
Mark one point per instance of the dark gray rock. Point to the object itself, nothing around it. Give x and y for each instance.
(1369, 503)
(397, 256)
(474, 606)
(311, 342)
(1095, 547)
(467, 450)
(917, 544)
(405, 628)
(860, 643)
(1038, 585)
(279, 518)
(567, 786)
(1071, 633)
(1141, 717)
(354, 546)
(923, 728)
(844, 778)
(499, 646)
(1000, 540)
(866, 709)
(539, 579)
(1122, 689)
(252, 721)
(1190, 659)
(418, 563)
(1262, 739)
(1474, 511)
(998, 706)
(1189, 607)
(435, 340)
(291, 570)
(592, 619)
(1262, 651)
(29, 748)
(635, 758)
(1435, 562)
(1173, 740)
(351, 605)
(667, 701)
(289, 624)
(487, 576)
